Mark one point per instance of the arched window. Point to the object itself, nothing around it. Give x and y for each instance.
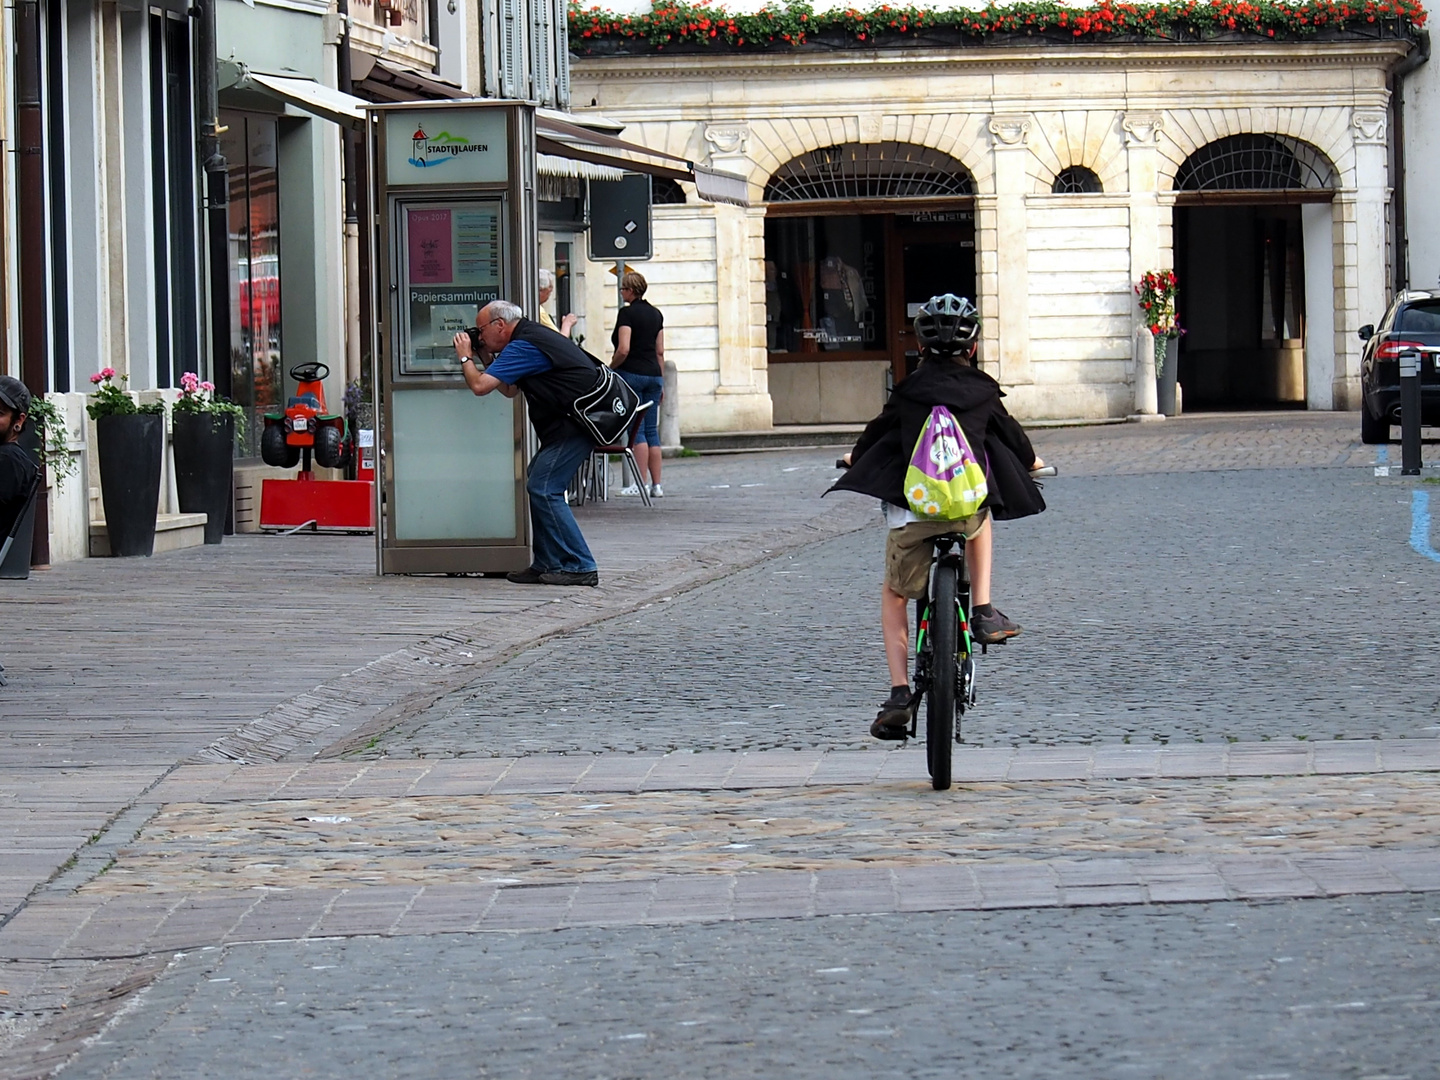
(1255, 163)
(1076, 180)
(666, 192)
(869, 171)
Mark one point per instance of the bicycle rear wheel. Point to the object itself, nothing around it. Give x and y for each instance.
(940, 700)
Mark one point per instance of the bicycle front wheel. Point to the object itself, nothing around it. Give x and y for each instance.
(940, 700)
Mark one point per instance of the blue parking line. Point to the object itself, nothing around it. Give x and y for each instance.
(1382, 454)
(1420, 525)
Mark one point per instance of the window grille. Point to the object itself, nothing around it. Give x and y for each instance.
(666, 192)
(1076, 180)
(1254, 163)
(869, 171)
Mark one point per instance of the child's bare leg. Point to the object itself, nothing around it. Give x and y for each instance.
(980, 555)
(895, 630)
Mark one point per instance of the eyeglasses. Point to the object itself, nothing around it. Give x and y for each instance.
(492, 322)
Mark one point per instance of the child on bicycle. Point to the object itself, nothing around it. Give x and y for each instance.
(948, 327)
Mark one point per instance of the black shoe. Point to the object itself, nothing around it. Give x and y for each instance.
(993, 628)
(568, 577)
(893, 720)
(531, 575)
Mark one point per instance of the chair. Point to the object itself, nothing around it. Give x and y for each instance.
(592, 480)
(20, 518)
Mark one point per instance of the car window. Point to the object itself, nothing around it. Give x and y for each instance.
(1420, 318)
(1388, 319)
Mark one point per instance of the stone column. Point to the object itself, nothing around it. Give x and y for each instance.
(740, 389)
(1366, 248)
(1012, 255)
(1142, 160)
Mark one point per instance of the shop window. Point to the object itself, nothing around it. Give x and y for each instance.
(869, 171)
(666, 192)
(1254, 163)
(255, 339)
(824, 284)
(1076, 180)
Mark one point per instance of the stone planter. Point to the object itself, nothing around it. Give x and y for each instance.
(1165, 381)
(204, 445)
(130, 449)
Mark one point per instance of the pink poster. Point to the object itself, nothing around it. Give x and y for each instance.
(431, 257)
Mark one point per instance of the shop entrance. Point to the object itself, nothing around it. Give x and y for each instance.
(857, 236)
(841, 294)
(1252, 242)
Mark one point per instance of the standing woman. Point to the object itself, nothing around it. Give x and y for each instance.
(639, 340)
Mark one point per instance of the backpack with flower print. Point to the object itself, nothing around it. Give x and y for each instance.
(944, 481)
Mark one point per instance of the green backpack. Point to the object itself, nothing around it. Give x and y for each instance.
(944, 481)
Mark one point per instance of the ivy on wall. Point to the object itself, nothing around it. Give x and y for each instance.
(594, 29)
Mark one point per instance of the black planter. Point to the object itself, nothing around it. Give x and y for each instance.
(204, 467)
(130, 450)
(16, 566)
(1165, 381)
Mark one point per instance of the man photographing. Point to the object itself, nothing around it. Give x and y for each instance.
(521, 356)
(17, 467)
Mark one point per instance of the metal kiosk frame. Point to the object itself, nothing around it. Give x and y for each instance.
(453, 226)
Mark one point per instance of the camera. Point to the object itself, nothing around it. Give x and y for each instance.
(474, 340)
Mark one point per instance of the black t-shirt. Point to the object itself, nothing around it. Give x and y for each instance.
(17, 471)
(645, 322)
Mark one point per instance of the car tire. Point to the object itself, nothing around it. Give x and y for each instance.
(1372, 431)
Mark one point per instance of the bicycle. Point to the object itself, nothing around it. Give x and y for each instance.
(944, 650)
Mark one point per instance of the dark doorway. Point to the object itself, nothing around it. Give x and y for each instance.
(1242, 305)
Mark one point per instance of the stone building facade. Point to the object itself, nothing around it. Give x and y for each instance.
(1046, 179)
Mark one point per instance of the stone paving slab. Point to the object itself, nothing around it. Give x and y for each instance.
(124, 926)
(784, 768)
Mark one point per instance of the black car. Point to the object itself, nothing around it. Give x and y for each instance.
(1412, 323)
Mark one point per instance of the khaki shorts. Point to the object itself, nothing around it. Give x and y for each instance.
(908, 551)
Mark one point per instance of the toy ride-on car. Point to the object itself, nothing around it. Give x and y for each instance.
(305, 426)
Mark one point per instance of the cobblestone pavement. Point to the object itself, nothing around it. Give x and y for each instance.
(1199, 606)
(1227, 670)
(1305, 990)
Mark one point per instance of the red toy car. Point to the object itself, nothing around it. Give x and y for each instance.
(305, 425)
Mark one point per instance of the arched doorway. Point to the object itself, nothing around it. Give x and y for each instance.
(857, 236)
(1252, 240)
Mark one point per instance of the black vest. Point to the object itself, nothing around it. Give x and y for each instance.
(550, 394)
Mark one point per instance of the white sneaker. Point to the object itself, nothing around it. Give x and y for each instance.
(631, 490)
(656, 491)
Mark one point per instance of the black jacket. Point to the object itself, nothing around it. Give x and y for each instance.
(550, 394)
(882, 453)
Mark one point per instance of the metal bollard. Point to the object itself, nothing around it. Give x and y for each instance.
(1410, 412)
(670, 408)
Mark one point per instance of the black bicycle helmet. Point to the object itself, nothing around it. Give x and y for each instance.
(947, 323)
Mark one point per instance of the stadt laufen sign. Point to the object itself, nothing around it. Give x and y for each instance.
(446, 146)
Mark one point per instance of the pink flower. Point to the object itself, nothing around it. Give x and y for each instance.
(207, 386)
(189, 381)
(97, 378)
(107, 373)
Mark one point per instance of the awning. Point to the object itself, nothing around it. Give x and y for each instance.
(557, 135)
(308, 95)
(569, 168)
(566, 146)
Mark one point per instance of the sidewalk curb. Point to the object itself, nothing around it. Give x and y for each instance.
(333, 718)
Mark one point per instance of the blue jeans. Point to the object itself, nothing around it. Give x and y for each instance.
(558, 544)
(649, 388)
